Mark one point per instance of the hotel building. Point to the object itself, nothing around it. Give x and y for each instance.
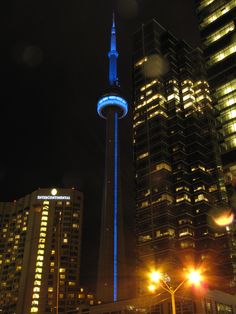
(179, 186)
(40, 241)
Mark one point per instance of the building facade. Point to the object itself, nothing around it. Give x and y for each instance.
(40, 240)
(218, 34)
(179, 185)
(212, 302)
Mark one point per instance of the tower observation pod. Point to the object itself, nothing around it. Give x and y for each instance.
(111, 106)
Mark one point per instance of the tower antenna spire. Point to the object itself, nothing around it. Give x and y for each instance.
(113, 55)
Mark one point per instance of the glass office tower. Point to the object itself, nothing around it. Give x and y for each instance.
(179, 186)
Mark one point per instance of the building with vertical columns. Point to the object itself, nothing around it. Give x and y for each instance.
(112, 106)
(179, 186)
(40, 241)
(217, 25)
(218, 35)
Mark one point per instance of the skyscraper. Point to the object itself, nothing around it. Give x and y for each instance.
(40, 240)
(111, 106)
(218, 35)
(179, 187)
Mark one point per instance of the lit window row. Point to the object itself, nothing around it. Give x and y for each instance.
(186, 232)
(165, 233)
(222, 54)
(164, 197)
(183, 197)
(39, 259)
(228, 115)
(204, 3)
(229, 128)
(201, 197)
(226, 88)
(182, 188)
(145, 238)
(218, 13)
(148, 85)
(194, 168)
(173, 96)
(162, 166)
(147, 101)
(142, 156)
(230, 142)
(140, 62)
(157, 113)
(138, 123)
(220, 33)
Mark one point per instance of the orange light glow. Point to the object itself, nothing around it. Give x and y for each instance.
(195, 277)
(155, 276)
(225, 219)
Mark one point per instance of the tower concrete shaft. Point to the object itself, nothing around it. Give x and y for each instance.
(112, 107)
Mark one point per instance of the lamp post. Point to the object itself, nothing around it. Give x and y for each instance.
(163, 280)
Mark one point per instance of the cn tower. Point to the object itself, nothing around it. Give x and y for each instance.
(112, 107)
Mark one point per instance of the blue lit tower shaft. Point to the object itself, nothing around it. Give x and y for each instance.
(112, 107)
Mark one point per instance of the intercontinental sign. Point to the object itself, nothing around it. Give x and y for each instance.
(53, 197)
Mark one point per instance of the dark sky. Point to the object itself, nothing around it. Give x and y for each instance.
(53, 68)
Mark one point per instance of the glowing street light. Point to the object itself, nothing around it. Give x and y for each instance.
(194, 277)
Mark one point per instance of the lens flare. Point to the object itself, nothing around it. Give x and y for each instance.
(224, 219)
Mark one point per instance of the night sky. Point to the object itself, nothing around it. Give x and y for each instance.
(53, 68)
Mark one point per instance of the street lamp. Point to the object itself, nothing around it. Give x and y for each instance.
(194, 277)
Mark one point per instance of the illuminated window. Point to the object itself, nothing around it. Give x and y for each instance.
(36, 289)
(218, 13)
(39, 258)
(163, 165)
(204, 3)
(44, 218)
(71, 283)
(163, 233)
(183, 197)
(144, 238)
(35, 302)
(39, 270)
(140, 62)
(226, 88)
(185, 221)
(185, 232)
(52, 252)
(62, 270)
(38, 276)
(50, 289)
(144, 204)
(43, 223)
(143, 155)
(186, 244)
(34, 309)
(62, 276)
(39, 264)
(219, 33)
(222, 54)
(35, 296)
(45, 213)
(213, 188)
(201, 197)
(41, 252)
(65, 240)
(148, 85)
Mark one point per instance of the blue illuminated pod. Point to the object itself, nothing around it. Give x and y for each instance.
(112, 98)
(112, 107)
